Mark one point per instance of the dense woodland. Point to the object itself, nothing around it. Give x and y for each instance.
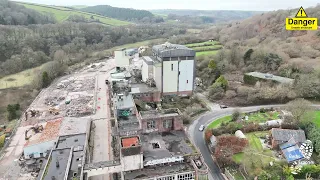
(23, 47)
(14, 14)
(124, 13)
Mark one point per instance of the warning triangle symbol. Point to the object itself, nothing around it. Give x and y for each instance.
(301, 13)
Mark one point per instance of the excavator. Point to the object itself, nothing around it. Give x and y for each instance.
(54, 111)
(35, 129)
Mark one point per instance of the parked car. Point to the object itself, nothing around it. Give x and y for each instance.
(223, 106)
(201, 128)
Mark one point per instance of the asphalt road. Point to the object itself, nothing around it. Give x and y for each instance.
(198, 137)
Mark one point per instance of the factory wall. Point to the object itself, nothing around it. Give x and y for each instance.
(170, 76)
(186, 77)
(177, 124)
(145, 71)
(36, 149)
(157, 75)
(121, 59)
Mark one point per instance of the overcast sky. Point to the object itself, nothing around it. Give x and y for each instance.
(261, 5)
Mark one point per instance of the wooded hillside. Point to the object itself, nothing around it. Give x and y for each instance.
(262, 44)
(216, 15)
(14, 14)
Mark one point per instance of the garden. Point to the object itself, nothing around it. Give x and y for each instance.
(260, 116)
(205, 48)
(250, 155)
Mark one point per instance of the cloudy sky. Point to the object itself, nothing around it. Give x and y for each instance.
(261, 5)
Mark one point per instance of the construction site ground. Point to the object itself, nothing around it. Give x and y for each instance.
(80, 94)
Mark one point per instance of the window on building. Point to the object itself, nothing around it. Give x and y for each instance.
(179, 72)
(41, 154)
(187, 81)
(171, 67)
(166, 178)
(188, 176)
(151, 124)
(167, 123)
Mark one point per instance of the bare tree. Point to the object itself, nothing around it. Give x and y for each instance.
(300, 109)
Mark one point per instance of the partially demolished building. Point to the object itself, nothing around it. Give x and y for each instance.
(148, 144)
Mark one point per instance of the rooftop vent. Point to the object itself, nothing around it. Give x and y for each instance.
(167, 45)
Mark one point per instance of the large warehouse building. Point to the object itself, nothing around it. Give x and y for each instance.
(173, 69)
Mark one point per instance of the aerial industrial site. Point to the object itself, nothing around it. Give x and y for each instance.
(106, 121)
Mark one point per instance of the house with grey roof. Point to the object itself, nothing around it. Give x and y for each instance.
(280, 136)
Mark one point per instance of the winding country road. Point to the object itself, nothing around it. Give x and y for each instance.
(198, 137)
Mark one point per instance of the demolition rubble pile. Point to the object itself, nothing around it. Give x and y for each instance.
(73, 97)
(76, 85)
(82, 106)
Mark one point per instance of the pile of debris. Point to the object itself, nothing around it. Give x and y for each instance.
(81, 85)
(82, 106)
(53, 101)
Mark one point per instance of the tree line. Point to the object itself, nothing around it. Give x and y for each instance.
(24, 47)
(123, 13)
(14, 14)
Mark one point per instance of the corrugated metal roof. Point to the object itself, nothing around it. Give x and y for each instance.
(173, 50)
(271, 77)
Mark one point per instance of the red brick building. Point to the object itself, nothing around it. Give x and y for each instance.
(161, 121)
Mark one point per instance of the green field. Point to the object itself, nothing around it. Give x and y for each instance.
(317, 118)
(263, 117)
(79, 6)
(201, 44)
(19, 79)
(265, 155)
(62, 13)
(208, 48)
(255, 117)
(217, 122)
(205, 45)
(206, 53)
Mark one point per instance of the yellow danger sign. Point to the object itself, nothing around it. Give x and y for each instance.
(301, 22)
(301, 13)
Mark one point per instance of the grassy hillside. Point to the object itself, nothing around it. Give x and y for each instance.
(119, 13)
(62, 13)
(79, 6)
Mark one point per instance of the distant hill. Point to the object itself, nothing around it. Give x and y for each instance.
(66, 13)
(119, 13)
(218, 15)
(15, 14)
(79, 6)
